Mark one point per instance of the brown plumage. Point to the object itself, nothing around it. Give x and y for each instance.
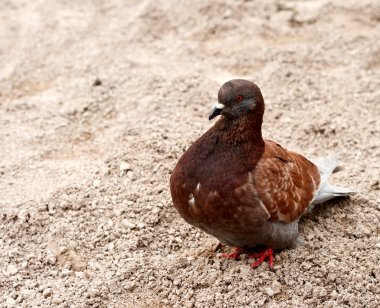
(240, 188)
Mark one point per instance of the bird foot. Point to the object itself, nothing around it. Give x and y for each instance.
(236, 252)
(261, 256)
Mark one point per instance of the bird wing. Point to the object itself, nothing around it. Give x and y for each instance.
(285, 182)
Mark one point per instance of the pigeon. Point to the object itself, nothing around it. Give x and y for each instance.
(246, 191)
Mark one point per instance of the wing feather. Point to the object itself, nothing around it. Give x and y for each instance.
(285, 182)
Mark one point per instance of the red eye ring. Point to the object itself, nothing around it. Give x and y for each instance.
(239, 98)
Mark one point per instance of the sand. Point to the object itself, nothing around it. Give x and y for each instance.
(98, 100)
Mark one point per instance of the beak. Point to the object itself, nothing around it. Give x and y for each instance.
(217, 110)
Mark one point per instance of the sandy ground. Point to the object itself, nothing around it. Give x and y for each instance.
(98, 99)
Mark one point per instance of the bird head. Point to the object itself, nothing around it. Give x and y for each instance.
(238, 98)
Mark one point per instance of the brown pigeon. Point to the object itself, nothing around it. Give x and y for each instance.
(246, 191)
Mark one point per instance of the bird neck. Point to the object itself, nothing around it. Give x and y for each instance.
(245, 130)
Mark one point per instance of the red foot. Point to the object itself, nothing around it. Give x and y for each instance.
(261, 256)
(236, 252)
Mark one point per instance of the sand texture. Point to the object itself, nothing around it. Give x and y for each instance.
(99, 99)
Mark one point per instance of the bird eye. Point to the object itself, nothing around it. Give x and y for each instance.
(239, 98)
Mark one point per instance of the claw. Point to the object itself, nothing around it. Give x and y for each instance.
(236, 252)
(261, 256)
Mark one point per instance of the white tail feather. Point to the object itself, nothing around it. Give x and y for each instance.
(326, 191)
(326, 166)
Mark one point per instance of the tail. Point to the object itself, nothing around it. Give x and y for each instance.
(326, 191)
